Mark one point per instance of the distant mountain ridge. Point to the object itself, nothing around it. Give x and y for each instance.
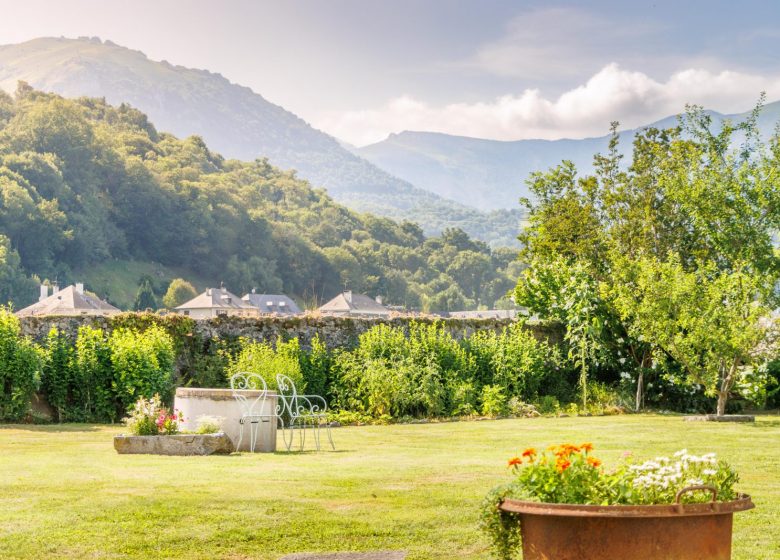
(491, 174)
(238, 123)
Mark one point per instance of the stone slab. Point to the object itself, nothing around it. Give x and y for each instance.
(723, 418)
(180, 444)
(377, 555)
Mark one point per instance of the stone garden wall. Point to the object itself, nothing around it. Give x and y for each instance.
(333, 331)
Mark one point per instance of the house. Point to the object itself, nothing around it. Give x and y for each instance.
(273, 304)
(486, 314)
(68, 301)
(348, 304)
(217, 302)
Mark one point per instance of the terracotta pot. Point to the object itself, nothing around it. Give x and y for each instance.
(664, 532)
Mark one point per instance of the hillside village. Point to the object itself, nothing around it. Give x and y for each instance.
(74, 300)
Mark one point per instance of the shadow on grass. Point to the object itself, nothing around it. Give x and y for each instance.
(55, 428)
(765, 424)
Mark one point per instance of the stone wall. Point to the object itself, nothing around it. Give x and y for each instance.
(333, 331)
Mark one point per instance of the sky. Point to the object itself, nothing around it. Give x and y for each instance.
(504, 70)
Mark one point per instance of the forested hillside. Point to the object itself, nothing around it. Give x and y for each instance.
(84, 184)
(240, 123)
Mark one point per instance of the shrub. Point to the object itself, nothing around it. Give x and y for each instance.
(316, 366)
(59, 380)
(20, 367)
(262, 359)
(142, 362)
(95, 371)
(462, 396)
(209, 424)
(493, 401)
(549, 405)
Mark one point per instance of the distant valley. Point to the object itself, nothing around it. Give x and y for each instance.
(490, 174)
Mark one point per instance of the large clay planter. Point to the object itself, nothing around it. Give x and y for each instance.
(664, 532)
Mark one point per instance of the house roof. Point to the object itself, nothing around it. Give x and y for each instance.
(215, 298)
(485, 314)
(69, 301)
(357, 304)
(272, 303)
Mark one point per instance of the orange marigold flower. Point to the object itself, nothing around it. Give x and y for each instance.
(514, 461)
(593, 462)
(587, 447)
(562, 465)
(530, 452)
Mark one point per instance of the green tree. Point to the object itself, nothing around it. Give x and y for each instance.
(144, 297)
(179, 291)
(697, 195)
(708, 320)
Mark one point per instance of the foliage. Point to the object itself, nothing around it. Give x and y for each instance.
(493, 401)
(179, 291)
(706, 320)
(142, 363)
(426, 372)
(209, 424)
(96, 372)
(636, 260)
(83, 183)
(144, 297)
(59, 379)
(149, 417)
(20, 369)
(268, 362)
(569, 474)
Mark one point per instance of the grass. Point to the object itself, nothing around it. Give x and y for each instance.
(65, 493)
(119, 279)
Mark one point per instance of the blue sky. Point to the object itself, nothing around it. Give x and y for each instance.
(361, 69)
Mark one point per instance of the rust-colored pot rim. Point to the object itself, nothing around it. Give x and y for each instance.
(742, 503)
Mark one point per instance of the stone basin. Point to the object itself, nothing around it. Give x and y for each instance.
(179, 444)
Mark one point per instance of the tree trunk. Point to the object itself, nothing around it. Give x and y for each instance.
(644, 364)
(640, 389)
(726, 384)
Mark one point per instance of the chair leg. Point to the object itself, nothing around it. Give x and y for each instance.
(240, 434)
(286, 431)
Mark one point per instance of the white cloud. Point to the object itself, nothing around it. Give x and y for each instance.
(558, 42)
(633, 98)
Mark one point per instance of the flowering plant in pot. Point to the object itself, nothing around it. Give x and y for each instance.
(563, 503)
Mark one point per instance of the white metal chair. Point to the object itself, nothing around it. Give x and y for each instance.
(301, 412)
(251, 406)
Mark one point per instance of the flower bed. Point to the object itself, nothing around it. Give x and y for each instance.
(156, 430)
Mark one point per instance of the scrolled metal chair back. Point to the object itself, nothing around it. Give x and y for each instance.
(248, 381)
(288, 396)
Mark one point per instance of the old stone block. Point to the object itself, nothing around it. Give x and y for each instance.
(180, 444)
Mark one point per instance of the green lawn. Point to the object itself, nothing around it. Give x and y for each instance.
(65, 493)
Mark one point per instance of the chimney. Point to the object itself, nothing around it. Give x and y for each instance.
(378, 299)
(55, 288)
(44, 292)
(80, 288)
(348, 295)
(208, 292)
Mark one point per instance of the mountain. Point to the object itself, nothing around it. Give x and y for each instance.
(490, 174)
(95, 193)
(238, 123)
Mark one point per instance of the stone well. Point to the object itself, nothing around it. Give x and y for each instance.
(221, 403)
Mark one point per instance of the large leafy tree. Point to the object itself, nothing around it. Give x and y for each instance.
(700, 201)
